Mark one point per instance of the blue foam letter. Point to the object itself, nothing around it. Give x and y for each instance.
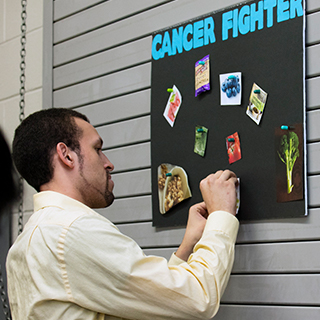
(177, 40)
(166, 44)
(198, 34)
(256, 16)
(235, 23)
(283, 12)
(244, 22)
(269, 5)
(157, 54)
(296, 6)
(209, 31)
(187, 45)
(226, 24)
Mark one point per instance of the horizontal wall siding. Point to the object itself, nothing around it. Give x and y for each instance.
(268, 258)
(115, 84)
(62, 8)
(291, 289)
(267, 312)
(120, 108)
(102, 14)
(101, 67)
(124, 210)
(312, 85)
(313, 5)
(103, 63)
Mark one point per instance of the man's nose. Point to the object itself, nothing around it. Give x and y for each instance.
(108, 164)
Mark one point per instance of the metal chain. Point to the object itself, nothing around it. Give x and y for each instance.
(23, 41)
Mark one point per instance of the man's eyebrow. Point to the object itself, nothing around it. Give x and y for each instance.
(99, 142)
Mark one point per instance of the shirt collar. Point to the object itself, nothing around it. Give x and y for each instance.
(45, 199)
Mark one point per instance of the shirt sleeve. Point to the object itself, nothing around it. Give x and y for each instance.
(107, 272)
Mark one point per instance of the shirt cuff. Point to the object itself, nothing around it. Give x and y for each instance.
(174, 260)
(224, 222)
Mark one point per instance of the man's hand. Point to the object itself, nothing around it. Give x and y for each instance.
(219, 191)
(196, 222)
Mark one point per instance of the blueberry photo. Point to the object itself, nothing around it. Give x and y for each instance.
(231, 86)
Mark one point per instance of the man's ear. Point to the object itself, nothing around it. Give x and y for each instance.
(65, 154)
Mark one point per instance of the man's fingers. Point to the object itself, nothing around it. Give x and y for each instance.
(218, 174)
(227, 174)
(224, 175)
(203, 209)
(219, 191)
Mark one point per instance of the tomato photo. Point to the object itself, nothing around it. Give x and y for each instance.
(233, 148)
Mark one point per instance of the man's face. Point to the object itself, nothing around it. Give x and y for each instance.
(94, 182)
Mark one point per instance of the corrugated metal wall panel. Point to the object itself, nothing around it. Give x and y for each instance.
(100, 15)
(269, 258)
(267, 312)
(64, 8)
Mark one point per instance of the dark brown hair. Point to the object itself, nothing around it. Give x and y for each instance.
(36, 139)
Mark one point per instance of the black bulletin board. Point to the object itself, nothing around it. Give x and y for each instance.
(273, 58)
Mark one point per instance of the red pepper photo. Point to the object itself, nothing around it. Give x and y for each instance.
(173, 108)
(233, 147)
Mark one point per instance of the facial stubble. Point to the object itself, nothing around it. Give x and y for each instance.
(107, 195)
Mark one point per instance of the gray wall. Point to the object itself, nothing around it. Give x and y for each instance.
(97, 59)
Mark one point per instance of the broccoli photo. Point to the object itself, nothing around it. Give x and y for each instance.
(288, 153)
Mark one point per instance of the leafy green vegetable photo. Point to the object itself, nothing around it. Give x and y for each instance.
(288, 153)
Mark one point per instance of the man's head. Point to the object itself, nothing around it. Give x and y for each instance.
(35, 142)
(59, 150)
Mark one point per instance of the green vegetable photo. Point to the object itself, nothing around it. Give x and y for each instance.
(288, 153)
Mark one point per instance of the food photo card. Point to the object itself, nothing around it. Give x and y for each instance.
(233, 147)
(173, 105)
(257, 102)
(289, 162)
(173, 186)
(230, 89)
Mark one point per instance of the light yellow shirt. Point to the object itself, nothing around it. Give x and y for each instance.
(72, 263)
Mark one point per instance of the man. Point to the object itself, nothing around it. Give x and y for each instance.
(71, 263)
